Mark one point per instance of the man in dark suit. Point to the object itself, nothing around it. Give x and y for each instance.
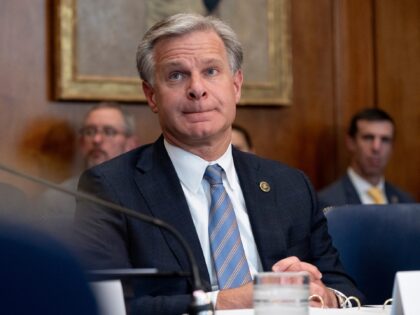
(370, 139)
(191, 71)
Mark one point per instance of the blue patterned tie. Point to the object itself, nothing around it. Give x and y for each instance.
(228, 253)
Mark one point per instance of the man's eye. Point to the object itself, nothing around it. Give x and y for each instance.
(110, 132)
(368, 137)
(88, 131)
(386, 140)
(211, 71)
(175, 76)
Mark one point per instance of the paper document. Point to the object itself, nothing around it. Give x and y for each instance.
(323, 311)
(109, 296)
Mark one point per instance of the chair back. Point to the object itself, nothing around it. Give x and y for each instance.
(374, 242)
(40, 276)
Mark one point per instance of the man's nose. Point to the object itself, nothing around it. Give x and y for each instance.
(196, 89)
(376, 144)
(98, 137)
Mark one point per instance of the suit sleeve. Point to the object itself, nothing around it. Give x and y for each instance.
(100, 232)
(102, 238)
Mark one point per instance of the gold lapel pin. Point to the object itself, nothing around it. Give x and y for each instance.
(264, 186)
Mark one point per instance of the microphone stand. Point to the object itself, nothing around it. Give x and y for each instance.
(200, 303)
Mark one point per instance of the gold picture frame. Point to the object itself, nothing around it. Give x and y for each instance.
(93, 47)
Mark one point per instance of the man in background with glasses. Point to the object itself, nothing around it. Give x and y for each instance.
(107, 131)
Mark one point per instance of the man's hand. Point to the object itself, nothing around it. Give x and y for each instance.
(240, 297)
(316, 285)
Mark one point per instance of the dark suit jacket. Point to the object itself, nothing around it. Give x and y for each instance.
(343, 192)
(285, 222)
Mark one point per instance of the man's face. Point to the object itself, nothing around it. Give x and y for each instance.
(103, 136)
(194, 91)
(371, 147)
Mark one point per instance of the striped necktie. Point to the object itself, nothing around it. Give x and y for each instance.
(376, 195)
(225, 242)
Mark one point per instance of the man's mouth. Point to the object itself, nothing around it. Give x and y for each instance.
(96, 153)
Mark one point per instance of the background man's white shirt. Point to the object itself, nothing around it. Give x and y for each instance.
(362, 186)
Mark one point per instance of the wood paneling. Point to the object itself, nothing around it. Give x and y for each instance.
(354, 66)
(347, 54)
(398, 75)
(294, 134)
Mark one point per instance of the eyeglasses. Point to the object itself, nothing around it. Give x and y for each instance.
(108, 132)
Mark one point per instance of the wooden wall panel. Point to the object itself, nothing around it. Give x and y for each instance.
(354, 86)
(398, 76)
(295, 134)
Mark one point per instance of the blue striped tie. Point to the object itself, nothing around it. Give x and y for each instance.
(228, 253)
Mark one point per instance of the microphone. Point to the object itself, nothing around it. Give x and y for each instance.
(200, 303)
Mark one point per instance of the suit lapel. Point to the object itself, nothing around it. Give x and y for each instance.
(390, 194)
(265, 217)
(352, 197)
(160, 187)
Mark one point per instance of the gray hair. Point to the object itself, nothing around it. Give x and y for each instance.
(129, 121)
(181, 24)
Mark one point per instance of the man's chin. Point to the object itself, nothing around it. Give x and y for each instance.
(206, 131)
(95, 161)
(374, 172)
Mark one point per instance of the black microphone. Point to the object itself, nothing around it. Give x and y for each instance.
(200, 303)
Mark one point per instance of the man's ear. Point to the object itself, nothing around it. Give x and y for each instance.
(350, 143)
(131, 143)
(238, 79)
(149, 92)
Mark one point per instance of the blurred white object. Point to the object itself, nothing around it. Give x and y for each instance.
(110, 297)
(405, 296)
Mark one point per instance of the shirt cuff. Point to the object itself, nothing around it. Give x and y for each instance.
(213, 297)
(342, 300)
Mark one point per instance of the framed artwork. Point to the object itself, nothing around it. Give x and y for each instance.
(95, 43)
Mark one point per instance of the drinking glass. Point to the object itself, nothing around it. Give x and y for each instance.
(281, 293)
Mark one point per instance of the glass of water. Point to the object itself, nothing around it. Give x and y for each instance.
(281, 293)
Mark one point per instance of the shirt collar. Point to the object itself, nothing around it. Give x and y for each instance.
(361, 183)
(190, 168)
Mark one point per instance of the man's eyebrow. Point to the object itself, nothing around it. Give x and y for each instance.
(212, 61)
(172, 63)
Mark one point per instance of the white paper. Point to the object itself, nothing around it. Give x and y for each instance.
(322, 311)
(236, 312)
(350, 311)
(406, 293)
(109, 296)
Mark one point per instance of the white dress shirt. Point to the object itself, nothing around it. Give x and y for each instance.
(362, 186)
(190, 169)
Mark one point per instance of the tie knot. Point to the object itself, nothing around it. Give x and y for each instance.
(376, 194)
(213, 174)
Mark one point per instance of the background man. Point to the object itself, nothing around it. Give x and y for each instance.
(239, 213)
(369, 140)
(107, 131)
(241, 139)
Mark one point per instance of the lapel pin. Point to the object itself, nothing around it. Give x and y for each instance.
(264, 186)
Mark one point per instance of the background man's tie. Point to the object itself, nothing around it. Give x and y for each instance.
(228, 253)
(376, 195)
